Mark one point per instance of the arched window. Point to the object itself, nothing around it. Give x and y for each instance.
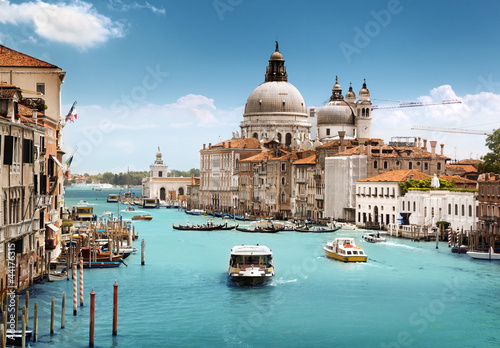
(283, 181)
(385, 164)
(363, 112)
(375, 164)
(410, 165)
(255, 135)
(439, 166)
(283, 197)
(470, 210)
(367, 112)
(279, 137)
(181, 191)
(463, 210)
(288, 140)
(456, 209)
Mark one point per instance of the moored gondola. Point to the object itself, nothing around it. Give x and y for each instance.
(316, 229)
(259, 230)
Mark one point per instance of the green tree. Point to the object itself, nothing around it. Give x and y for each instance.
(491, 161)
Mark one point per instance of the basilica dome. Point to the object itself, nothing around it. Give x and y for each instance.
(275, 97)
(336, 112)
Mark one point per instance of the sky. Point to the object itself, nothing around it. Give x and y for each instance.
(174, 75)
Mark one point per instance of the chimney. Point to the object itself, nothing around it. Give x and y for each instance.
(341, 137)
(433, 148)
(228, 144)
(209, 145)
(442, 149)
(425, 145)
(418, 144)
(369, 150)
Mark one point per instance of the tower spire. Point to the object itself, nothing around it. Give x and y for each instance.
(276, 70)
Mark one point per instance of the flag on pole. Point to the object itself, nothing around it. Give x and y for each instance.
(71, 116)
(68, 163)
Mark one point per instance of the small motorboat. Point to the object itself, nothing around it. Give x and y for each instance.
(142, 217)
(15, 337)
(345, 249)
(129, 208)
(373, 237)
(55, 275)
(484, 255)
(251, 265)
(462, 249)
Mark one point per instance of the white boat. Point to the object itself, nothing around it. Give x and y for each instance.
(112, 198)
(373, 237)
(83, 202)
(57, 272)
(251, 264)
(346, 226)
(107, 214)
(484, 255)
(129, 208)
(345, 249)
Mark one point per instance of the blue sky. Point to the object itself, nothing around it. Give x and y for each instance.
(176, 74)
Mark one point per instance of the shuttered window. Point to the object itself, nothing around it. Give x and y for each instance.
(7, 150)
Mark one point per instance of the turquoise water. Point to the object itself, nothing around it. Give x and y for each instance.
(408, 294)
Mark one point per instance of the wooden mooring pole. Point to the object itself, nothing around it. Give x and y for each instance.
(63, 309)
(92, 316)
(35, 324)
(115, 309)
(52, 310)
(143, 246)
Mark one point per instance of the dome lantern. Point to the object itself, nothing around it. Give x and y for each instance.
(276, 71)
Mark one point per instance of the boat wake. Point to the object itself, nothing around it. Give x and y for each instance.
(399, 245)
(276, 282)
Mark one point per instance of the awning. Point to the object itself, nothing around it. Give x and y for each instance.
(57, 161)
(52, 227)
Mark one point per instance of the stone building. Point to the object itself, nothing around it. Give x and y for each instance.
(170, 190)
(31, 170)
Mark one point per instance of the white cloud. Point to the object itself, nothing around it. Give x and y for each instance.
(118, 4)
(77, 23)
(104, 137)
(476, 112)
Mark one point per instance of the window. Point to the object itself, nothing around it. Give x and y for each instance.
(439, 166)
(456, 209)
(283, 167)
(410, 165)
(28, 151)
(288, 138)
(414, 206)
(328, 131)
(426, 166)
(449, 209)
(470, 210)
(283, 180)
(255, 135)
(375, 164)
(12, 153)
(160, 174)
(40, 88)
(385, 164)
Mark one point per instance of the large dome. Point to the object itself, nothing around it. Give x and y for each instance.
(276, 97)
(336, 112)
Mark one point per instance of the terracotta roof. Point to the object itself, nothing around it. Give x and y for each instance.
(470, 161)
(462, 167)
(458, 179)
(7, 91)
(12, 58)
(238, 143)
(256, 158)
(307, 160)
(397, 176)
(393, 152)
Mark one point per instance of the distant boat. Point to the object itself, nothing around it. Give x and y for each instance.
(142, 217)
(345, 249)
(112, 198)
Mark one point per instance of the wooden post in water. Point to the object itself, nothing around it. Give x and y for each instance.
(52, 310)
(115, 309)
(63, 309)
(143, 246)
(35, 324)
(74, 288)
(4, 331)
(92, 315)
(81, 281)
(23, 328)
(2, 335)
(27, 303)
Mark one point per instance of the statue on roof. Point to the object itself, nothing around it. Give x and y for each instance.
(276, 46)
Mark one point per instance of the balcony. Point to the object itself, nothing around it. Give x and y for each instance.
(301, 180)
(20, 228)
(318, 196)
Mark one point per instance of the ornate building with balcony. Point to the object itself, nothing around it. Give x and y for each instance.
(31, 170)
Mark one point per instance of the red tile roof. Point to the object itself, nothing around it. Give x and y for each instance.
(307, 160)
(397, 176)
(12, 58)
(467, 168)
(238, 143)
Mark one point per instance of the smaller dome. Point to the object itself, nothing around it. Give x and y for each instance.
(364, 90)
(276, 56)
(350, 94)
(336, 112)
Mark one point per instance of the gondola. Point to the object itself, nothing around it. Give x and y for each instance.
(259, 230)
(227, 228)
(316, 229)
(197, 228)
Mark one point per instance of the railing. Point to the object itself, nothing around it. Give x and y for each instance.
(301, 180)
(20, 228)
(318, 196)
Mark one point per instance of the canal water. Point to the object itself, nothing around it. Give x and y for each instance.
(408, 294)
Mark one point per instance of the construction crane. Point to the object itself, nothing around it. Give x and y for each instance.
(415, 104)
(451, 130)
